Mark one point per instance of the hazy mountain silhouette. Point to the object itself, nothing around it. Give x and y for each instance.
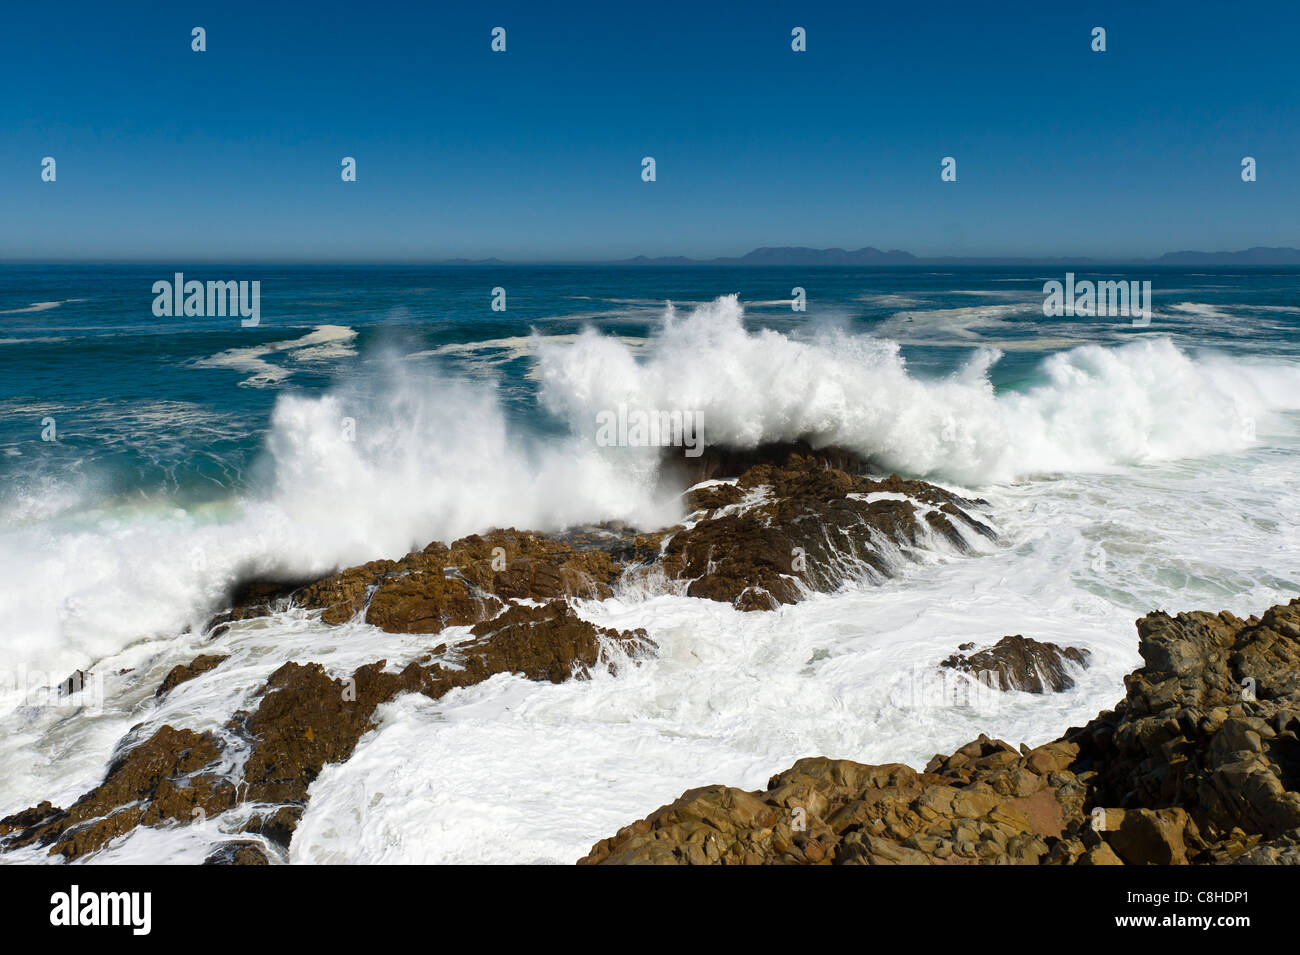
(802, 255)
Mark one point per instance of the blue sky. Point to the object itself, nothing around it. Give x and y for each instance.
(165, 154)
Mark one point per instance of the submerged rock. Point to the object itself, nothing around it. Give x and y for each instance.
(1200, 763)
(1020, 663)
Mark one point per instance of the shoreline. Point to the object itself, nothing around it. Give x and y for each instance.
(766, 528)
(1197, 765)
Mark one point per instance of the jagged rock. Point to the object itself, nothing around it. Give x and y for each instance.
(238, 853)
(786, 529)
(1209, 723)
(1199, 763)
(443, 586)
(148, 783)
(839, 812)
(278, 826)
(713, 497)
(27, 821)
(1020, 663)
(793, 521)
(513, 564)
(307, 719)
(427, 602)
(304, 719)
(1152, 837)
(1100, 854)
(342, 596)
(542, 643)
(182, 672)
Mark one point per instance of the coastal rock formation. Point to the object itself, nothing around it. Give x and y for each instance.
(304, 720)
(151, 782)
(1209, 724)
(1200, 763)
(783, 530)
(1019, 663)
(442, 586)
(987, 805)
(183, 672)
(243, 852)
(794, 521)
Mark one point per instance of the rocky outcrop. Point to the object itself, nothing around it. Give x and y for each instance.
(442, 586)
(305, 719)
(794, 521)
(238, 853)
(986, 805)
(785, 530)
(183, 672)
(1200, 763)
(151, 782)
(1209, 724)
(1019, 663)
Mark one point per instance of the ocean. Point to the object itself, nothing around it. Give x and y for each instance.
(149, 463)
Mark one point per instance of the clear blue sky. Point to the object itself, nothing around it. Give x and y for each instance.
(233, 154)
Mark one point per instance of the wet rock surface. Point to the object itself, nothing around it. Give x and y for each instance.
(238, 853)
(804, 525)
(150, 782)
(1198, 764)
(794, 521)
(1021, 663)
(790, 522)
(184, 672)
(460, 584)
(305, 718)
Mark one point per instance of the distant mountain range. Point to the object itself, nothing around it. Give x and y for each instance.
(802, 255)
(1259, 255)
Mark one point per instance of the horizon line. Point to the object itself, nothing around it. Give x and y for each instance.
(759, 257)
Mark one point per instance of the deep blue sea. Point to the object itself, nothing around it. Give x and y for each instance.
(148, 463)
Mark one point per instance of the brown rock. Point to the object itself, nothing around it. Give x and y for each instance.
(1199, 763)
(180, 673)
(152, 768)
(1151, 837)
(238, 853)
(1019, 663)
(304, 720)
(806, 528)
(420, 602)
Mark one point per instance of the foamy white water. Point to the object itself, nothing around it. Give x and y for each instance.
(1099, 407)
(1130, 479)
